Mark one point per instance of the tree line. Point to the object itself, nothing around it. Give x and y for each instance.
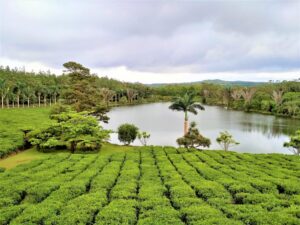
(272, 98)
(76, 85)
(79, 87)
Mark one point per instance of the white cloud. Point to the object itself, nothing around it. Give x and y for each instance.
(155, 41)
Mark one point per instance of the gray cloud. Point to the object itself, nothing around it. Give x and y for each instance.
(160, 36)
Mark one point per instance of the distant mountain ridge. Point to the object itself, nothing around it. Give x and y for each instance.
(215, 81)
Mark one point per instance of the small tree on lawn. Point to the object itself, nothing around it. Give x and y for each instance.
(294, 143)
(143, 136)
(83, 130)
(226, 140)
(77, 131)
(127, 133)
(193, 138)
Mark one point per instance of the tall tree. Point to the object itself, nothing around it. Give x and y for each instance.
(28, 93)
(131, 95)
(186, 103)
(54, 92)
(236, 94)
(83, 93)
(277, 96)
(3, 91)
(76, 70)
(45, 94)
(107, 95)
(39, 91)
(19, 86)
(248, 94)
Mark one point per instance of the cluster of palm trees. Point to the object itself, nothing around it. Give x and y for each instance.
(22, 94)
(18, 94)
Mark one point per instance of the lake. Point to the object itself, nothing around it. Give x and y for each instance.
(256, 133)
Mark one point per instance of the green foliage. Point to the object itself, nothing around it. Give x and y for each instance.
(127, 133)
(143, 136)
(59, 108)
(226, 140)
(73, 130)
(123, 100)
(186, 103)
(13, 121)
(153, 185)
(193, 138)
(294, 143)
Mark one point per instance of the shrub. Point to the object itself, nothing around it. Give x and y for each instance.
(59, 108)
(294, 143)
(143, 136)
(74, 130)
(193, 138)
(127, 133)
(226, 140)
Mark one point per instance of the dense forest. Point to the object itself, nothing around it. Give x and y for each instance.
(77, 86)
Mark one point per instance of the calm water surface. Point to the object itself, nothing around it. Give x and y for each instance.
(256, 133)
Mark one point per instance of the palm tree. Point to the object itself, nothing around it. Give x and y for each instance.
(19, 88)
(45, 95)
(39, 91)
(3, 91)
(186, 103)
(54, 92)
(28, 93)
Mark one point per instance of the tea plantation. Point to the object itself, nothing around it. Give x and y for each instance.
(153, 185)
(12, 121)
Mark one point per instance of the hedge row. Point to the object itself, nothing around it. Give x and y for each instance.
(152, 185)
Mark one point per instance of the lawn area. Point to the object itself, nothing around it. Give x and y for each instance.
(31, 154)
(13, 120)
(21, 158)
(152, 185)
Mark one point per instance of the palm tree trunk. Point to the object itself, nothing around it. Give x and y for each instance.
(18, 101)
(39, 100)
(7, 102)
(186, 123)
(28, 102)
(2, 102)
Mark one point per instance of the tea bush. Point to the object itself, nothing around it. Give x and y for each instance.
(153, 185)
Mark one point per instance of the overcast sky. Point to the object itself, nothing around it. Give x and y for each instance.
(154, 41)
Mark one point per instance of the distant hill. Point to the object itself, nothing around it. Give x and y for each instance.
(215, 81)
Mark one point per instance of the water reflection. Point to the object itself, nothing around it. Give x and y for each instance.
(257, 133)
